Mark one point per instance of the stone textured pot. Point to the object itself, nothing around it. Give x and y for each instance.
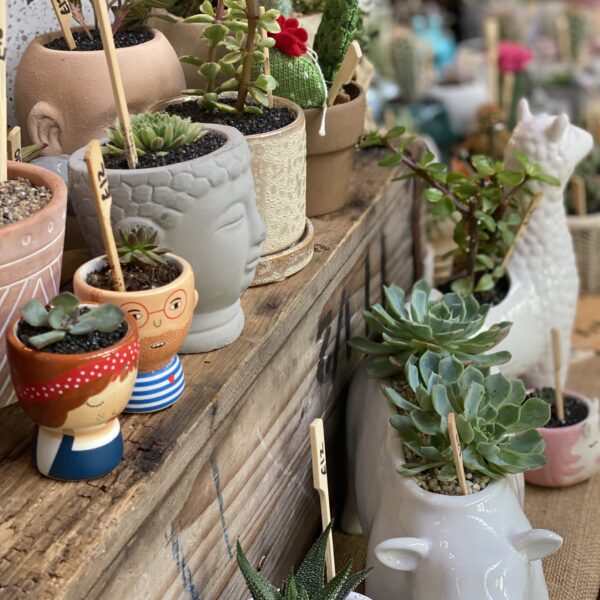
(30, 258)
(329, 158)
(435, 546)
(64, 99)
(205, 211)
(163, 317)
(572, 453)
(75, 401)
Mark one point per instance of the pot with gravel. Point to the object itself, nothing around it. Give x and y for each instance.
(33, 206)
(161, 297)
(73, 366)
(194, 187)
(572, 444)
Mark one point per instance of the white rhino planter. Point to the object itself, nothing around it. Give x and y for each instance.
(434, 547)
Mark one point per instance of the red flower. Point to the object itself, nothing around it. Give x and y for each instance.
(513, 58)
(291, 40)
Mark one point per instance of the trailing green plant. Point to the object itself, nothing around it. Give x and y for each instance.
(285, 7)
(29, 153)
(235, 25)
(496, 422)
(449, 324)
(138, 245)
(309, 581)
(154, 132)
(65, 315)
(489, 202)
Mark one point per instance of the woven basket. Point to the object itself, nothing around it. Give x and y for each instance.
(585, 231)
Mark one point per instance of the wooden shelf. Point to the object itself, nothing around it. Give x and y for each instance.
(231, 459)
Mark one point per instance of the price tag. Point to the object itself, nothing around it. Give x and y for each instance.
(62, 9)
(14, 144)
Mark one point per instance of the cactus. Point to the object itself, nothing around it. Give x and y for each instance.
(139, 245)
(408, 59)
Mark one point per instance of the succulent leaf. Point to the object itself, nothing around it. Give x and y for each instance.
(139, 245)
(35, 313)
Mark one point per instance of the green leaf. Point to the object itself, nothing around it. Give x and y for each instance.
(511, 178)
(418, 300)
(402, 423)
(259, 587)
(311, 573)
(199, 19)
(498, 388)
(447, 472)
(485, 283)
(84, 327)
(508, 415)
(483, 164)
(428, 364)
(215, 34)
(472, 400)
(56, 318)
(450, 369)
(394, 133)
(535, 413)
(265, 82)
(45, 339)
(544, 178)
(66, 301)
(381, 368)
(484, 260)
(35, 313)
(391, 160)
(369, 346)
(395, 299)
(210, 70)
(433, 195)
(425, 422)
(393, 396)
(465, 431)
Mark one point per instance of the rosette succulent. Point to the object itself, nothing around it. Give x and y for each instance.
(449, 324)
(496, 422)
(139, 245)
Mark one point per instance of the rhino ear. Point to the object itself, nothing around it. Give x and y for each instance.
(536, 543)
(557, 128)
(402, 554)
(523, 111)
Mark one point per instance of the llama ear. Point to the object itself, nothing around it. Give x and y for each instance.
(523, 111)
(557, 128)
(402, 554)
(536, 543)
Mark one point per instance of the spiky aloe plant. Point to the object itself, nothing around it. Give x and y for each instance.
(496, 421)
(449, 324)
(309, 581)
(139, 245)
(154, 132)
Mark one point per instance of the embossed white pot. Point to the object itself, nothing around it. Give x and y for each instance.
(205, 211)
(433, 546)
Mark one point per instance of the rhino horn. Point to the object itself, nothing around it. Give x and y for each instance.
(557, 128)
(536, 543)
(402, 554)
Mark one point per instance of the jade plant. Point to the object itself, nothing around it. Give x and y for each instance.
(154, 132)
(138, 245)
(496, 422)
(65, 315)
(237, 27)
(308, 583)
(449, 324)
(488, 202)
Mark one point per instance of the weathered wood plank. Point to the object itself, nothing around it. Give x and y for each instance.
(231, 458)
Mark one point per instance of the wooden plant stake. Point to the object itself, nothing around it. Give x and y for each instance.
(346, 72)
(14, 144)
(558, 391)
(103, 199)
(508, 89)
(492, 35)
(108, 43)
(578, 194)
(62, 8)
(457, 454)
(267, 55)
(319, 468)
(3, 121)
(532, 206)
(564, 37)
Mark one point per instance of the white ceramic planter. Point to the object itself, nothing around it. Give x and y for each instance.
(435, 546)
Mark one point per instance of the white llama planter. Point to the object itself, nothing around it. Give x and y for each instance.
(434, 546)
(542, 270)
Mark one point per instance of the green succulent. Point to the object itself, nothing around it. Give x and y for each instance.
(65, 316)
(154, 132)
(139, 245)
(309, 581)
(449, 324)
(496, 422)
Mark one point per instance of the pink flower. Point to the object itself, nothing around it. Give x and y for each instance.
(512, 57)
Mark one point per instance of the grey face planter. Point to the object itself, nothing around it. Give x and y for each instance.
(205, 211)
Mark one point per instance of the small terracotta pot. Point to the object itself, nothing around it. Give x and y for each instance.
(30, 257)
(330, 157)
(163, 317)
(64, 99)
(75, 400)
(573, 452)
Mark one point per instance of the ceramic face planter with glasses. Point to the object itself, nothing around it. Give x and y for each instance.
(163, 316)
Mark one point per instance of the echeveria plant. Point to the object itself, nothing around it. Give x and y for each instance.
(139, 245)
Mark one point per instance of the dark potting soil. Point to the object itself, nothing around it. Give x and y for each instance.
(73, 344)
(272, 119)
(205, 145)
(123, 39)
(575, 410)
(492, 297)
(137, 276)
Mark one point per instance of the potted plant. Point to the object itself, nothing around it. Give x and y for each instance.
(73, 366)
(572, 444)
(308, 583)
(32, 229)
(193, 186)
(161, 297)
(59, 97)
(276, 134)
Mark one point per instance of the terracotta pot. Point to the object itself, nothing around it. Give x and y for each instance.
(329, 158)
(573, 452)
(75, 400)
(163, 316)
(30, 257)
(64, 99)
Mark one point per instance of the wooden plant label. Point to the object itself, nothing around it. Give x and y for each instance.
(578, 194)
(558, 391)
(346, 72)
(492, 34)
(3, 121)
(319, 468)
(526, 217)
(14, 144)
(103, 199)
(62, 9)
(457, 454)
